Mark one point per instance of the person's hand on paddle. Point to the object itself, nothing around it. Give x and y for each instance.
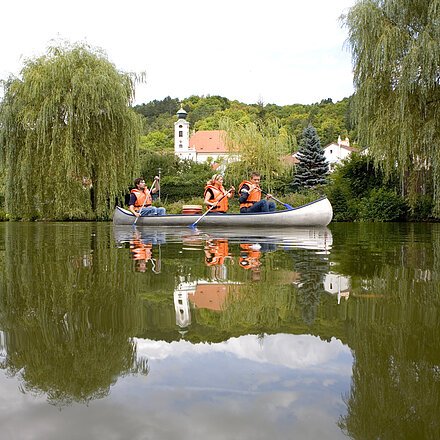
(268, 196)
(231, 191)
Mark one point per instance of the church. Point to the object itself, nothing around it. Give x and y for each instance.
(200, 146)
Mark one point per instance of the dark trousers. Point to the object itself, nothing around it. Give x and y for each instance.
(261, 206)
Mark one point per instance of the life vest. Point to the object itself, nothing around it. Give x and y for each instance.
(218, 251)
(222, 205)
(141, 197)
(254, 195)
(249, 257)
(140, 251)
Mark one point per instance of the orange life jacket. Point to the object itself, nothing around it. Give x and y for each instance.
(141, 197)
(254, 195)
(249, 258)
(218, 251)
(140, 251)
(222, 205)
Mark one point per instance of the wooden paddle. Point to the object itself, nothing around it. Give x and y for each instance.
(193, 225)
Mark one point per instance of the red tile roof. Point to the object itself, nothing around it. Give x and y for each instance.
(210, 296)
(208, 141)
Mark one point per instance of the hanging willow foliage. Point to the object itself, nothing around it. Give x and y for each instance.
(69, 139)
(395, 47)
(261, 147)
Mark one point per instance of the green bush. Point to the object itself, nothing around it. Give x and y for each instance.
(383, 205)
(422, 208)
(3, 216)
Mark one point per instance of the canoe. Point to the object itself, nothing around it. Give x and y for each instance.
(317, 238)
(317, 213)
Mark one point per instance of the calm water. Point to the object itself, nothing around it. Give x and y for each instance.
(133, 333)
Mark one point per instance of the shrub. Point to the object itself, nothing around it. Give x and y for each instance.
(422, 208)
(383, 205)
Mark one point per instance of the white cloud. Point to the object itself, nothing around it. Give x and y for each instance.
(280, 51)
(291, 351)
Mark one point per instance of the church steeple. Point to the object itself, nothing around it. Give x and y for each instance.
(181, 136)
(181, 114)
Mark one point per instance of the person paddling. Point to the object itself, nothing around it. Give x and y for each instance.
(141, 200)
(216, 196)
(250, 196)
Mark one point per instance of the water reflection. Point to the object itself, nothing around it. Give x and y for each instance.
(141, 248)
(79, 322)
(59, 306)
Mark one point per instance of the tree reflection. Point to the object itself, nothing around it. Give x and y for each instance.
(69, 312)
(393, 327)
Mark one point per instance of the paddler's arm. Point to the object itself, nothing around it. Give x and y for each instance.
(131, 205)
(156, 185)
(244, 194)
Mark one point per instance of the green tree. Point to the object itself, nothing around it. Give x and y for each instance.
(261, 146)
(69, 139)
(312, 168)
(157, 141)
(396, 56)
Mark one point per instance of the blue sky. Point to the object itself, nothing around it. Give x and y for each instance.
(277, 51)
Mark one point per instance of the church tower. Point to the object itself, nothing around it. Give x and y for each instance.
(181, 137)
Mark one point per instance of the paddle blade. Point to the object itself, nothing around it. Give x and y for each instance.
(287, 206)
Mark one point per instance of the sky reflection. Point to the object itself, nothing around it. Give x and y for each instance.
(247, 387)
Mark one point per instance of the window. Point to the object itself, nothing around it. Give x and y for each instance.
(180, 145)
(180, 126)
(180, 133)
(331, 151)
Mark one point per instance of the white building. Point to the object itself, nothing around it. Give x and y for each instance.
(335, 153)
(200, 146)
(181, 137)
(337, 284)
(181, 303)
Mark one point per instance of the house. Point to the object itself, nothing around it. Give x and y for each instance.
(337, 284)
(200, 146)
(335, 153)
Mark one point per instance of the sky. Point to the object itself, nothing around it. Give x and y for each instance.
(278, 51)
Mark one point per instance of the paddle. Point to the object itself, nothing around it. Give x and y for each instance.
(136, 219)
(286, 205)
(192, 226)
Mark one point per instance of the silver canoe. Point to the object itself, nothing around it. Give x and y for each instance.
(317, 213)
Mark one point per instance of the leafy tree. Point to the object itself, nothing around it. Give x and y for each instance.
(396, 58)
(69, 139)
(261, 146)
(155, 108)
(157, 141)
(180, 179)
(312, 168)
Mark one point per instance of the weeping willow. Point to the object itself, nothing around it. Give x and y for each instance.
(260, 147)
(396, 57)
(69, 139)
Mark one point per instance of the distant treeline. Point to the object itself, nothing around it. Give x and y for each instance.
(205, 112)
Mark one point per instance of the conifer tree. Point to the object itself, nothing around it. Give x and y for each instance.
(68, 137)
(312, 168)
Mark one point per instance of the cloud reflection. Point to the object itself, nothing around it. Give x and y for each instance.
(290, 351)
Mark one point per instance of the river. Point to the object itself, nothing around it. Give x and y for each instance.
(137, 333)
